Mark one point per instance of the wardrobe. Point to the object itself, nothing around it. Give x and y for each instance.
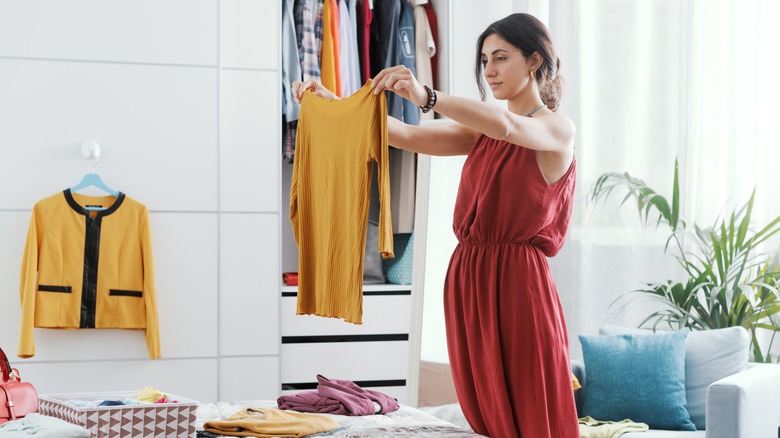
(382, 353)
(184, 98)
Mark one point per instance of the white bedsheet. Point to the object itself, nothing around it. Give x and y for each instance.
(405, 422)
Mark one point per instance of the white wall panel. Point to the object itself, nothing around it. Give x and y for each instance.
(249, 284)
(250, 141)
(248, 378)
(157, 127)
(144, 31)
(186, 378)
(185, 251)
(251, 32)
(13, 233)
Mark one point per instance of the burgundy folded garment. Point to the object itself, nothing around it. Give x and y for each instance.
(311, 402)
(356, 400)
(338, 397)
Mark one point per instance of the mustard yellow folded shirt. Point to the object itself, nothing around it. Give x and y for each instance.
(337, 142)
(271, 423)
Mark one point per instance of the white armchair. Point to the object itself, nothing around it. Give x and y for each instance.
(742, 404)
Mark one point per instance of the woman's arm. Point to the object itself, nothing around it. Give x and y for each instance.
(550, 132)
(547, 132)
(440, 140)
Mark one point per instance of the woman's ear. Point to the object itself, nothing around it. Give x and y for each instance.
(535, 61)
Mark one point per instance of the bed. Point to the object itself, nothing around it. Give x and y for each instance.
(405, 422)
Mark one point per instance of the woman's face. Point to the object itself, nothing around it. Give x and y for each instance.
(505, 68)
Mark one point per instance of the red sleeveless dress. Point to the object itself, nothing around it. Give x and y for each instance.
(506, 334)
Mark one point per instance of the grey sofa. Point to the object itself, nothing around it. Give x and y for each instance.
(742, 405)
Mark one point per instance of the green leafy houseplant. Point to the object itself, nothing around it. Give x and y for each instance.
(727, 281)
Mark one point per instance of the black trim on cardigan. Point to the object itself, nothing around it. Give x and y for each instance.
(91, 254)
(125, 293)
(91, 257)
(120, 197)
(48, 288)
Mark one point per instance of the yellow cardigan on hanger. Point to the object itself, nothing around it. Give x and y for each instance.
(87, 268)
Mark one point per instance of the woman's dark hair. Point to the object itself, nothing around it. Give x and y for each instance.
(530, 35)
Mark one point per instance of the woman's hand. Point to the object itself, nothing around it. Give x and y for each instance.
(313, 85)
(402, 82)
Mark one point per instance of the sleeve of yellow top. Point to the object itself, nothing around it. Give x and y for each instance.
(294, 185)
(383, 180)
(150, 296)
(28, 285)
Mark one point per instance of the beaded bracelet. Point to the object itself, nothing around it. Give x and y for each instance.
(431, 100)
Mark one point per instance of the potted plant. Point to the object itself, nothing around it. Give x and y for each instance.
(727, 279)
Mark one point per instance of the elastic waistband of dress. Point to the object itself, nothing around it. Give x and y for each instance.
(508, 242)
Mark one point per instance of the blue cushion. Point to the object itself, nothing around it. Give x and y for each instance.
(640, 377)
(710, 355)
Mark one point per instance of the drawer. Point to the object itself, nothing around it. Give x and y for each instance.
(356, 361)
(381, 314)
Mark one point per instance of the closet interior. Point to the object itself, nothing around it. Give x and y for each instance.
(383, 352)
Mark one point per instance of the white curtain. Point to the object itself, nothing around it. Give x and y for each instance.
(648, 82)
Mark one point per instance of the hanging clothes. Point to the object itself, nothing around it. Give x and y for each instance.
(354, 71)
(403, 172)
(329, 199)
(88, 268)
(291, 71)
(347, 51)
(364, 17)
(291, 67)
(331, 48)
(429, 11)
(424, 49)
(384, 33)
(311, 39)
(405, 53)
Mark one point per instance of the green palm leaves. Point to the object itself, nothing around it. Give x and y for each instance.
(726, 279)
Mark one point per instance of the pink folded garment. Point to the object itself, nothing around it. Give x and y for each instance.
(356, 400)
(311, 402)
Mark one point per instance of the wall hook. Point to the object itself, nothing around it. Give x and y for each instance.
(91, 150)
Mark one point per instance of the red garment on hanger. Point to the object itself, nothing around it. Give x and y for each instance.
(364, 18)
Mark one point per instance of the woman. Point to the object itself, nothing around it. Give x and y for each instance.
(506, 333)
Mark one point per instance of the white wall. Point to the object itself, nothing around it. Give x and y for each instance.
(183, 97)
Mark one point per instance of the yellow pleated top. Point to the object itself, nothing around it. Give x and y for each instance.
(337, 141)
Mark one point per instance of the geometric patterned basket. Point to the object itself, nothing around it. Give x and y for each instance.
(161, 420)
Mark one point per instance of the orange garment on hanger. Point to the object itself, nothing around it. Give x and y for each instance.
(337, 142)
(331, 68)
